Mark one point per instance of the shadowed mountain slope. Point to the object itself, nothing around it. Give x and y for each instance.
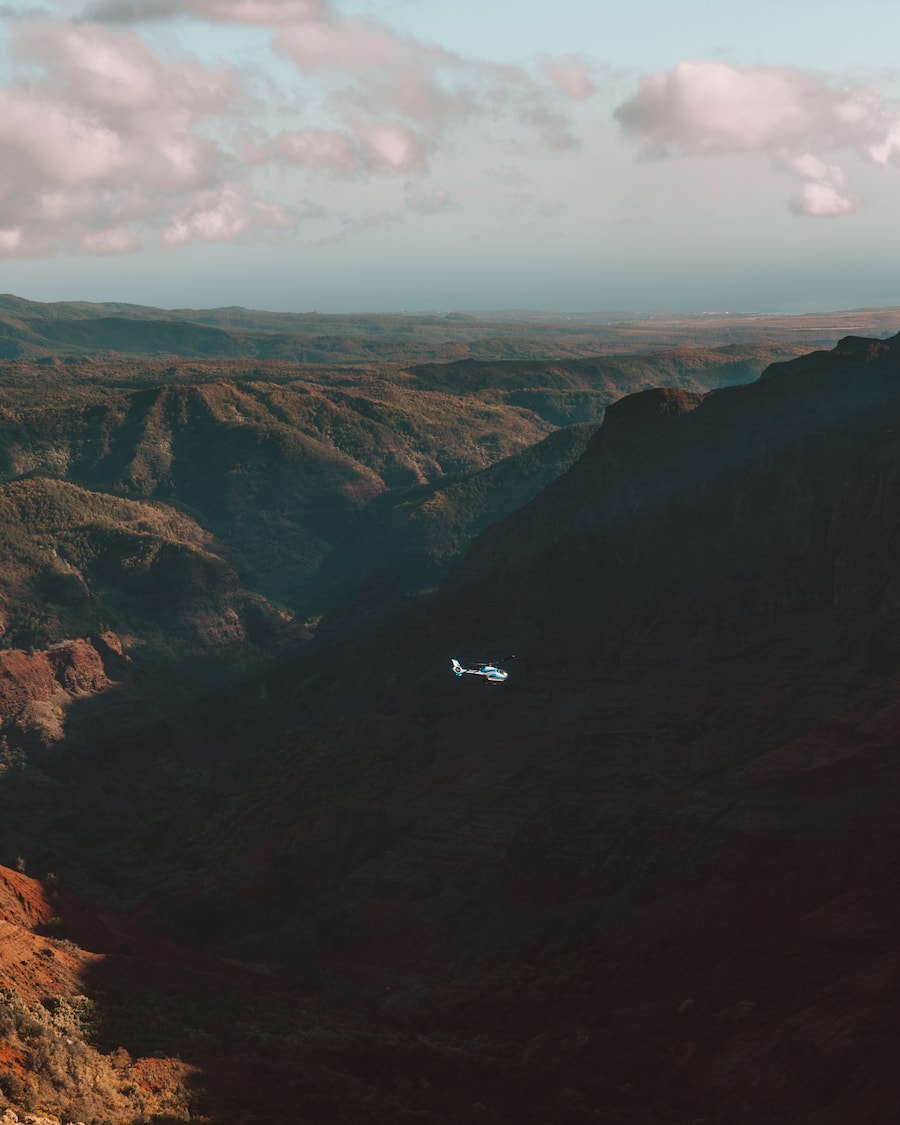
(664, 852)
(683, 498)
(92, 1008)
(414, 534)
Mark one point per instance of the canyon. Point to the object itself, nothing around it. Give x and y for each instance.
(276, 862)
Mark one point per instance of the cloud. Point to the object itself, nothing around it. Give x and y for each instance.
(349, 45)
(324, 150)
(509, 176)
(572, 76)
(377, 74)
(10, 238)
(382, 74)
(114, 240)
(797, 119)
(431, 201)
(224, 215)
(105, 137)
(391, 145)
(887, 150)
(553, 128)
(108, 143)
(260, 12)
(387, 146)
(824, 190)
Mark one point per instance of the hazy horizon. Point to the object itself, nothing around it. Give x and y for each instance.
(489, 314)
(381, 155)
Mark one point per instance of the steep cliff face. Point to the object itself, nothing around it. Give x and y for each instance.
(729, 510)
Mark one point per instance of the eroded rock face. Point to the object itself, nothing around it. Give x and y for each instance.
(36, 688)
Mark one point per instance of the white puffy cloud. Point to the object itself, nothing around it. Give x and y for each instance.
(108, 143)
(377, 73)
(11, 239)
(887, 150)
(383, 77)
(823, 191)
(223, 215)
(104, 137)
(391, 145)
(797, 119)
(378, 77)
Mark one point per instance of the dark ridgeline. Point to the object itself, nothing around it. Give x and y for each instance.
(651, 877)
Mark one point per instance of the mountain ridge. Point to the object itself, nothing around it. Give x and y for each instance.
(650, 877)
(68, 328)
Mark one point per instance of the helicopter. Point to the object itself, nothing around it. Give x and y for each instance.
(488, 670)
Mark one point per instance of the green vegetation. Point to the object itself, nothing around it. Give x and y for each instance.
(72, 560)
(49, 1064)
(299, 472)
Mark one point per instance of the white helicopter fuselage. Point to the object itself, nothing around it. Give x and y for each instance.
(490, 673)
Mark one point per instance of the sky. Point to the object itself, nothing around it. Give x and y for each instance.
(388, 155)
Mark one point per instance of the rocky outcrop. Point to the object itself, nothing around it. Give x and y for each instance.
(36, 688)
(33, 963)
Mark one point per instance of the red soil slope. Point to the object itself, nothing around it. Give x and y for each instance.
(37, 688)
(35, 965)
